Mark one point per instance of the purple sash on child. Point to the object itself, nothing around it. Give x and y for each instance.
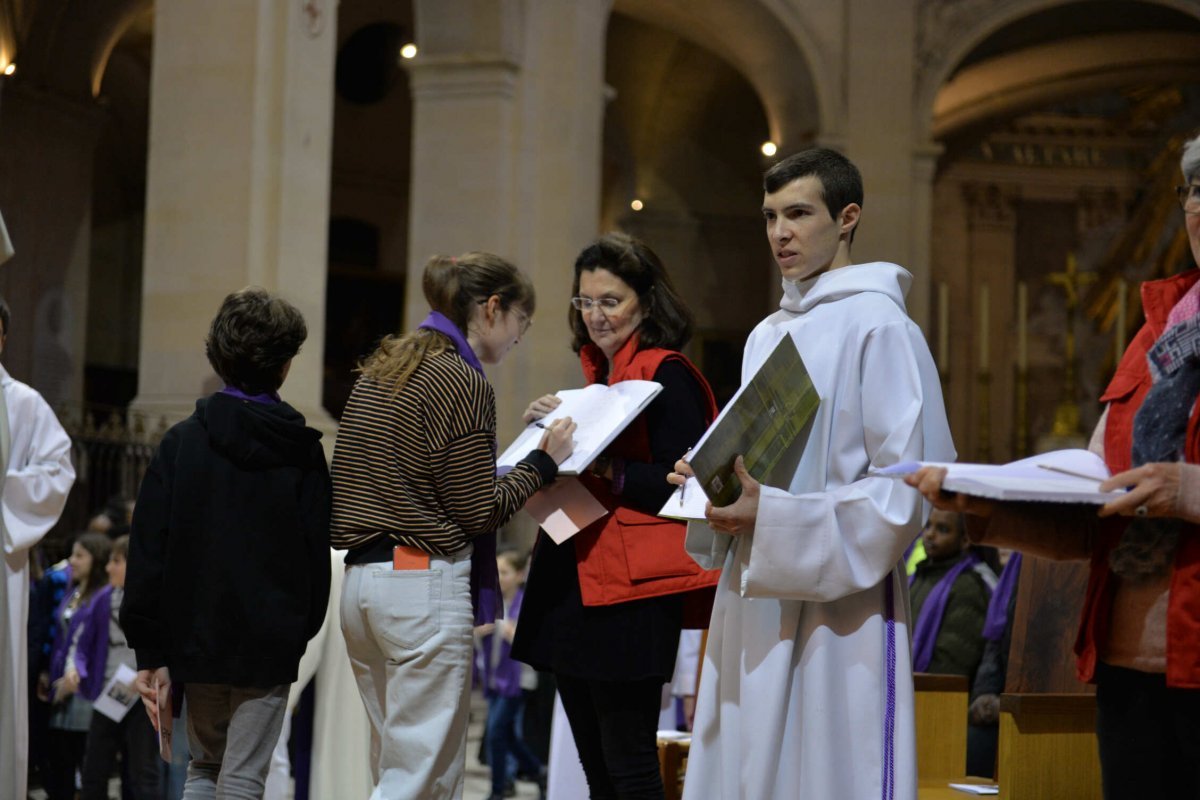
(926, 629)
(266, 398)
(485, 580)
(997, 613)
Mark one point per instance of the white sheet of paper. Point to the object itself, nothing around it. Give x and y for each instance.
(690, 506)
(118, 695)
(976, 788)
(600, 412)
(564, 508)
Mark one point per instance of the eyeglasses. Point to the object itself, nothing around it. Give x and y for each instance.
(523, 320)
(1189, 197)
(606, 304)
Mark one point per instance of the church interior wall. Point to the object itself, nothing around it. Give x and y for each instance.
(1035, 171)
(684, 103)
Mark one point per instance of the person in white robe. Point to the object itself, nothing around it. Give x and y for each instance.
(807, 687)
(38, 475)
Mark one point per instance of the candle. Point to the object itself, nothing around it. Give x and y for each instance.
(983, 328)
(1122, 307)
(943, 343)
(1022, 327)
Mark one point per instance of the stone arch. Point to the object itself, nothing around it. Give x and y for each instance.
(68, 44)
(947, 32)
(1040, 75)
(767, 43)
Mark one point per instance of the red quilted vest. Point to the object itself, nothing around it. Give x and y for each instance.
(629, 554)
(1124, 396)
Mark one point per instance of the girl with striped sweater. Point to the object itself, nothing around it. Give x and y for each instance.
(416, 502)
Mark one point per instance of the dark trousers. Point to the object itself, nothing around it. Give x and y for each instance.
(615, 724)
(66, 756)
(503, 739)
(1148, 735)
(135, 739)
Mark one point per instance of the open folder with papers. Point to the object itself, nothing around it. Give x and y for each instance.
(600, 412)
(1062, 476)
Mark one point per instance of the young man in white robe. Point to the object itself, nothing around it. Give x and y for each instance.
(807, 679)
(38, 475)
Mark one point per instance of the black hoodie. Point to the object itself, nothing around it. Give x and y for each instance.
(228, 574)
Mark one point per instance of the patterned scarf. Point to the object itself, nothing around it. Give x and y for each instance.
(1146, 549)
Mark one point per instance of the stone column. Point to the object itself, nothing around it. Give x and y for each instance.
(991, 248)
(879, 137)
(507, 135)
(47, 145)
(238, 185)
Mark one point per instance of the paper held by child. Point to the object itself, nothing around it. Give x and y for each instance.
(163, 723)
(118, 695)
(601, 412)
(1061, 476)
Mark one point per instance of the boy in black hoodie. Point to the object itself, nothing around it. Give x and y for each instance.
(228, 571)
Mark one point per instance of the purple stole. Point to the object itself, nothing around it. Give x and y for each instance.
(997, 613)
(485, 580)
(928, 624)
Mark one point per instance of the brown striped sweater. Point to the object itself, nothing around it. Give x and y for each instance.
(419, 468)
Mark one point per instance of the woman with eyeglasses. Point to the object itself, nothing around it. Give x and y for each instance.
(603, 610)
(416, 501)
(1139, 639)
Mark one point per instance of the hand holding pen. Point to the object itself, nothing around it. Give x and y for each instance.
(683, 471)
(558, 440)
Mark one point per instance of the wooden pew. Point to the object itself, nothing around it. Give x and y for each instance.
(940, 707)
(1048, 746)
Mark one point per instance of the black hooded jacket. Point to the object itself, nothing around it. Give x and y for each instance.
(228, 574)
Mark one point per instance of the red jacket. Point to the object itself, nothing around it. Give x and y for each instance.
(1124, 396)
(630, 554)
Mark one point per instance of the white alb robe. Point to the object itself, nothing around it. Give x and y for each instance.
(36, 483)
(807, 688)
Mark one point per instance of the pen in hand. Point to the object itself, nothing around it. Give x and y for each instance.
(683, 486)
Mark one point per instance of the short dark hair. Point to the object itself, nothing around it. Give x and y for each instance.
(4, 316)
(841, 182)
(252, 337)
(666, 320)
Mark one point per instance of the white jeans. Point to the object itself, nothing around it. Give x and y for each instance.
(408, 634)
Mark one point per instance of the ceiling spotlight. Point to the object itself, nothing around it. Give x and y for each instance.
(10, 69)
(769, 149)
(636, 205)
(408, 51)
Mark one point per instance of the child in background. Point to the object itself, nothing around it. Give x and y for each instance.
(950, 591)
(504, 681)
(70, 708)
(102, 650)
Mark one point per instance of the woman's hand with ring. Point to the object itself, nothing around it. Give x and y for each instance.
(1153, 491)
